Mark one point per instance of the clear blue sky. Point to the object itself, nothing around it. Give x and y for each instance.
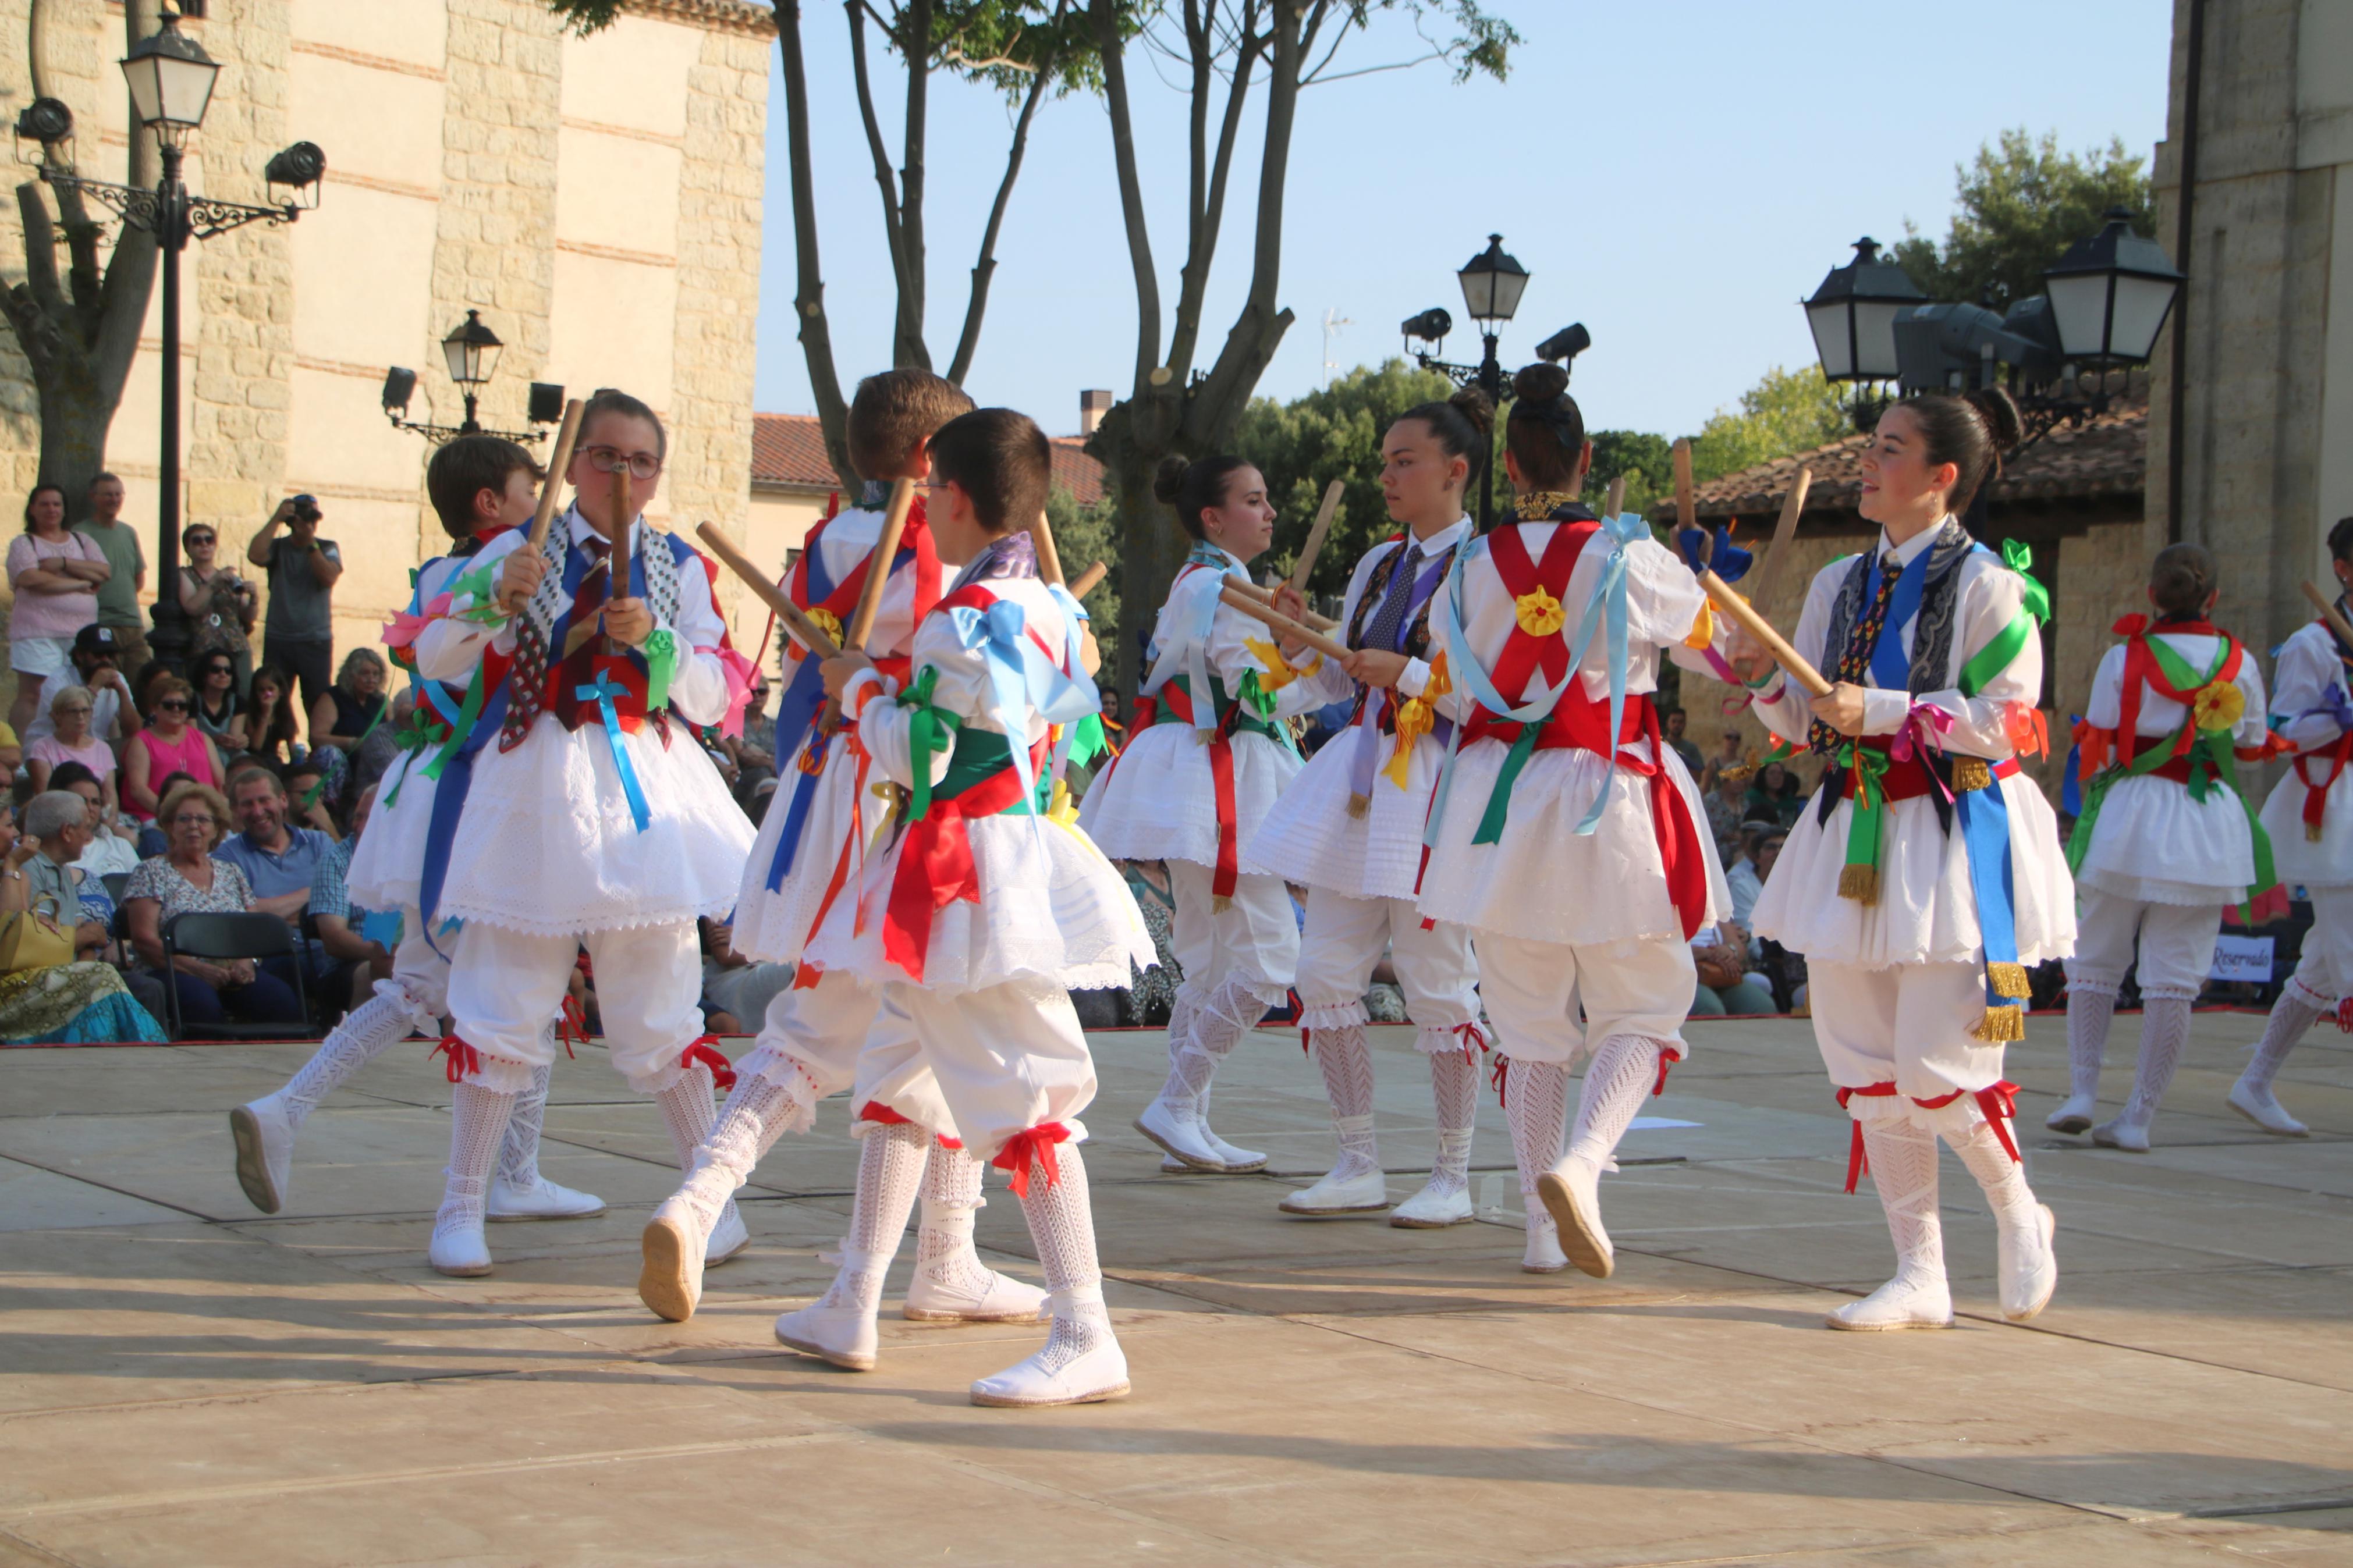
(1674, 174)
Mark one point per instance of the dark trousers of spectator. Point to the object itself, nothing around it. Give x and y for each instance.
(267, 999)
(309, 663)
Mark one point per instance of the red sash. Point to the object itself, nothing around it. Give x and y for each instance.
(1581, 723)
(842, 602)
(2141, 669)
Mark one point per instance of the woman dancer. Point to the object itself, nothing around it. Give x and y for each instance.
(1565, 833)
(1925, 875)
(2165, 839)
(1350, 826)
(1205, 762)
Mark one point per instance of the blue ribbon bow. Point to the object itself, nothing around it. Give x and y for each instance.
(1731, 563)
(601, 691)
(1023, 678)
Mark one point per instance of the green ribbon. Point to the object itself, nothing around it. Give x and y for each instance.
(467, 712)
(1245, 722)
(1867, 766)
(2018, 558)
(1257, 698)
(1996, 656)
(930, 729)
(1088, 741)
(1499, 799)
(661, 662)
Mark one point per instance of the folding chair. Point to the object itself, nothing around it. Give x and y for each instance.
(217, 937)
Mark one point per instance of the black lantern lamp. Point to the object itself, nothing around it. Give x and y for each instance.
(2110, 295)
(171, 80)
(1491, 284)
(1853, 315)
(470, 350)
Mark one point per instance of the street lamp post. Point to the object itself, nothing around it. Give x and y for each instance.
(1491, 284)
(472, 351)
(171, 80)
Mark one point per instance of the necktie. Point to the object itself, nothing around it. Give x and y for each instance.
(587, 599)
(1389, 619)
(1862, 642)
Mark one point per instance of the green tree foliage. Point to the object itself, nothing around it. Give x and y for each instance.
(1331, 434)
(2018, 208)
(1646, 461)
(1787, 411)
(1083, 534)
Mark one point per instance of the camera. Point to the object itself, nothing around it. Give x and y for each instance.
(306, 507)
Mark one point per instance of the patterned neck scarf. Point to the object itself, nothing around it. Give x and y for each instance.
(1013, 555)
(1862, 642)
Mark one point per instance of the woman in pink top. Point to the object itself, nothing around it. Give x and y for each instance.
(72, 741)
(55, 574)
(169, 744)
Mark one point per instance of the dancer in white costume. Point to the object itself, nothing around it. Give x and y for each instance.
(1564, 835)
(596, 818)
(818, 825)
(977, 915)
(480, 487)
(2309, 816)
(1206, 758)
(1892, 883)
(2165, 839)
(1349, 828)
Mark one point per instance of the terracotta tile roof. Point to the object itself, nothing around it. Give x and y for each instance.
(788, 449)
(2106, 457)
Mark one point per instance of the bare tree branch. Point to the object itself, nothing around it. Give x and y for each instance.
(1105, 13)
(1192, 293)
(968, 340)
(915, 49)
(892, 231)
(808, 298)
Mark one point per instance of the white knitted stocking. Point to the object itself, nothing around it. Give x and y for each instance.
(1616, 1080)
(1347, 1067)
(2164, 1032)
(1454, 1093)
(2089, 1012)
(477, 1122)
(890, 1173)
(1062, 1226)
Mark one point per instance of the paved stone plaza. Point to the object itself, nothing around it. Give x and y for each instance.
(183, 1381)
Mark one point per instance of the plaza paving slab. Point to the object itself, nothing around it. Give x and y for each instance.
(186, 1380)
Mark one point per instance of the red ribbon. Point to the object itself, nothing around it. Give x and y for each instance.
(572, 1024)
(875, 1110)
(1998, 1101)
(936, 867)
(1037, 1143)
(705, 1048)
(2316, 795)
(1499, 1079)
(465, 1061)
(2345, 1014)
(1221, 783)
(1470, 1035)
(2141, 667)
(1666, 1060)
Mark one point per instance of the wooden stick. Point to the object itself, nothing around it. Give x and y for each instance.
(1049, 560)
(1280, 622)
(551, 488)
(1266, 597)
(1089, 580)
(1686, 504)
(1745, 614)
(807, 632)
(877, 573)
(2329, 612)
(1617, 500)
(1314, 545)
(1793, 506)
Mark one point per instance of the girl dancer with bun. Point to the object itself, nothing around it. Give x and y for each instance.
(1565, 833)
(2309, 817)
(1206, 760)
(1350, 827)
(1925, 875)
(2165, 839)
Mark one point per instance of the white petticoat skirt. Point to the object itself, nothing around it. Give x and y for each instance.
(388, 863)
(1050, 907)
(547, 844)
(1544, 881)
(1926, 911)
(2154, 845)
(2327, 863)
(1309, 837)
(774, 927)
(1160, 803)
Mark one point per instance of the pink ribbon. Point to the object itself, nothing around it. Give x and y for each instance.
(1925, 727)
(403, 628)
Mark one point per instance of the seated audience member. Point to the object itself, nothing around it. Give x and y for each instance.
(65, 1003)
(168, 744)
(219, 705)
(1759, 847)
(735, 987)
(1672, 725)
(95, 663)
(278, 860)
(1727, 808)
(269, 728)
(70, 740)
(1725, 984)
(188, 877)
(349, 707)
(57, 821)
(1776, 796)
(112, 847)
(361, 960)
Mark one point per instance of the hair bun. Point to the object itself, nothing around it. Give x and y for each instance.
(1476, 407)
(2000, 415)
(1168, 481)
(1540, 382)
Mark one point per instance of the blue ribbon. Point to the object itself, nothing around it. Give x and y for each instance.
(2070, 787)
(797, 716)
(1023, 678)
(1731, 563)
(1891, 667)
(1606, 608)
(1192, 649)
(601, 691)
(1984, 819)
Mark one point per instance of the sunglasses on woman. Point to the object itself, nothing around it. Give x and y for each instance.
(174, 705)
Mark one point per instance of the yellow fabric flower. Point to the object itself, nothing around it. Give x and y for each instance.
(2219, 705)
(1539, 613)
(828, 622)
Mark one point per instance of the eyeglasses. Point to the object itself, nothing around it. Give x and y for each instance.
(193, 819)
(213, 670)
(197, 538)
(66, 708)
(612, 460)
(174, 705)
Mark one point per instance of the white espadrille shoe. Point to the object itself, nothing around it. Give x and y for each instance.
(1571, 1192)
(728, 1237)
(1901, 1303)
(848, 1337)
(670, 1277)
(543, 1199)
(1440, 1202)
(2257, 1103)
(1082, 1363)
(1334, 1195)
(2074, 1114)
(1181, 1135)
(2029, 1265)
(459, 1249)
(2121, 1134)
(265, 1150)
(1543, 1253)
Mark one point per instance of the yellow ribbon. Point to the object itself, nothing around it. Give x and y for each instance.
(1538, 612)
(1415, 716)
(1278, 673)
(1702, 632)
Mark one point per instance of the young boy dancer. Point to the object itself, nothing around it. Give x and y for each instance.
(975, 917)
(480, 487)
(592, 820)
(819, 823)
(1565, 833)
(2309, 817)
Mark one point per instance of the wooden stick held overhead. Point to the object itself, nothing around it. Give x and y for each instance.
(886, 549)
(1793, 506)
(1314, 545)
(807, 632)
(2328, 612)
(1745, 614)
(1280, 622)
(1616, 502)
(551, 489)
(1049, 560)
(1089, 580)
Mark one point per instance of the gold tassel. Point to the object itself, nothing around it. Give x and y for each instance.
(2312, 833)
(1999, 1025)
(1220, 904)
(2007, 979)
(1358, 805)
(1859, 883)
(1971, 773)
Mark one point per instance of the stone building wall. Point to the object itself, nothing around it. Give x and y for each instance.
(597, 200)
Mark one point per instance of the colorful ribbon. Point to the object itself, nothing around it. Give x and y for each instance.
(601, 691)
